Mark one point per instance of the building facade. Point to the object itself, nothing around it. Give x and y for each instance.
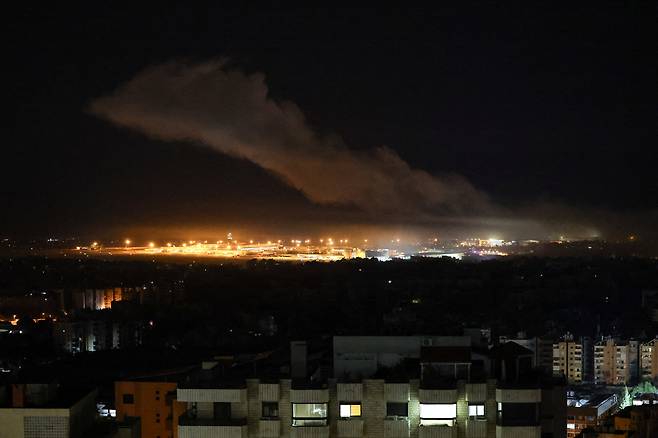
(568, 360)
(153, 402)
(615, 362)
(372, 408)
(86, 335)
(36, 410)
(649, 360)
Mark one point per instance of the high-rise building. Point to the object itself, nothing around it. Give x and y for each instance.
(649, 360)
(616, 362)
(568, 360)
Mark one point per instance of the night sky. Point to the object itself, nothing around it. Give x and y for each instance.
(547, 112)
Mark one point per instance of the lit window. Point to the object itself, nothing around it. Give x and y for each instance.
(349, 410)
(438, 414)
(476, 411)
(309, 414)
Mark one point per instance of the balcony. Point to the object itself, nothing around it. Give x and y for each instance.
(437, 432)
(437, 395)
(518, 432)
(211, 428)
(351, 428)
(476, 428)
(516, 395)
(396, 392)
(268, 392)
(224, 395)
(310, 432)
(476, 392)
(309, 395)
(396, 428)
(349, 391)
(269, 428)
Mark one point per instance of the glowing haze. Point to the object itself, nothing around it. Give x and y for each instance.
(220, 107)
(231, 112)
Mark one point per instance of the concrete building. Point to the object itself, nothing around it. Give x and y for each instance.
(95, 299)
(649, 360)
(456, 396)
(82, 335)
(369, 408)
(588, 411)
(153, 403)
(616, 362)
(35, 410)
(568, 360)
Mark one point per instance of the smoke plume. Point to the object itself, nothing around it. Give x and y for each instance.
(231, 112)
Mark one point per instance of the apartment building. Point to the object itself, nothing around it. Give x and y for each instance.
(447, 399)
(153, 402)
(370, 408)
(81, 335)
(649, 360)
(568, 360)
(616, 362)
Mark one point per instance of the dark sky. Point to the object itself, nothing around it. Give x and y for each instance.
(531, 104)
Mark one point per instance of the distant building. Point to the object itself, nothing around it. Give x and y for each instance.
(77, 336)
(649, 360)
(568, 360)
(616, 362)
(95, 299)
(35, 410)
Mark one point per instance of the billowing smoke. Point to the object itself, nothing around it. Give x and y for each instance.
(231, 112)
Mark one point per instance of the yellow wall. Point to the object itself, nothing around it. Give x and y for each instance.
(150, 399)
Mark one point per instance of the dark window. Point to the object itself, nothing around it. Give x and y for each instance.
(518, 414)
(270, 410)
(461, 371)
(222, 411)
(128, 399)
(397, 409)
